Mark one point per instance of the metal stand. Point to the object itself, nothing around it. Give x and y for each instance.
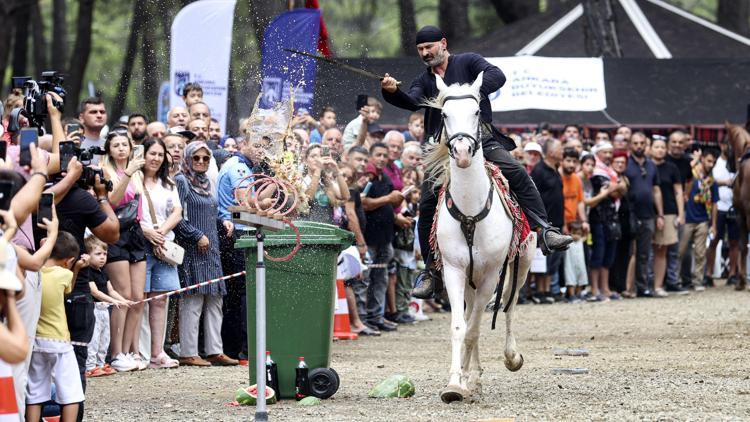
(247, 216)
(261, 414)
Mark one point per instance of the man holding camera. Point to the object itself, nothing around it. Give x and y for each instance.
(93, 117)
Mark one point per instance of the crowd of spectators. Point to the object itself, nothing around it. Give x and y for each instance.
(634, 206)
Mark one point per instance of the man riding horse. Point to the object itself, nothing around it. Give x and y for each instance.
(464, 68)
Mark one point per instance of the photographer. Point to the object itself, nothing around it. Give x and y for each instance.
(324, 186)
(93, 116)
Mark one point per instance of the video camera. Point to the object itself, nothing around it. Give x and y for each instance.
(88, 178)
(35, 101)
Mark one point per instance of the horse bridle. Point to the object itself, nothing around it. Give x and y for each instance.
(475, 139)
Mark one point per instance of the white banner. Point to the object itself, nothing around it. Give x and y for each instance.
(550, 83)
(201, 47)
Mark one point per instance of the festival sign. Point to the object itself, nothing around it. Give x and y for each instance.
(550, 83)
(284, 72)
(201, 46)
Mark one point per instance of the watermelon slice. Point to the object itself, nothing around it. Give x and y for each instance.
(249, 396)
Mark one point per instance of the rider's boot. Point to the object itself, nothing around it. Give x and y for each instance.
(528, 198)
(428, 284)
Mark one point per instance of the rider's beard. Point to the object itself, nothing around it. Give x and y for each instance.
(436, 60)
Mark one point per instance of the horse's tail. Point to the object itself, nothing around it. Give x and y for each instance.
(436, 163)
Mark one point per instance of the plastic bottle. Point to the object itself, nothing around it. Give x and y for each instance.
(272, 374)
(302, 384)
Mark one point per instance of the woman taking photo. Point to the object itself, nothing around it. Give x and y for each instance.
(324, 186)
(162, 211)
(126, 259)
(198, 234)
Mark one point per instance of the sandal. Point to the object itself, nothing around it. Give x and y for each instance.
(163, 362)
(367, 331)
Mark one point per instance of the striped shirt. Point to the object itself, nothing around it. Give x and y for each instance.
(200, 218)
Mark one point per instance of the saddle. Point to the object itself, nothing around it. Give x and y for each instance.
(519, 241)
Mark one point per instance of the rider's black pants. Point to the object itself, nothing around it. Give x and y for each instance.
(520, 184)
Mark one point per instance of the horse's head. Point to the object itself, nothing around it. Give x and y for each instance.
(460, 111)
(738, 141)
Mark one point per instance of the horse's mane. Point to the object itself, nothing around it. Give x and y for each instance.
(436, 155)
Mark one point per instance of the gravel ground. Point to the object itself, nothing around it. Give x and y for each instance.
(681, 358)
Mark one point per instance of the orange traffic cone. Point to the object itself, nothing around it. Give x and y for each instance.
(341, 329)
(8, 404)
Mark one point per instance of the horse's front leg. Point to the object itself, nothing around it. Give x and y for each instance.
(454, 284)
(475, 311)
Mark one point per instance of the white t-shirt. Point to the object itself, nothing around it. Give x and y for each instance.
(165, 201)
(721, 173)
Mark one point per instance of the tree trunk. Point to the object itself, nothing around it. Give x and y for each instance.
(59, 36)
(453, 16)
(734, 15)
(118, 103)
(150, 66)
(408, 26)
(262, 13)
(80, 57)
(510, 11)
(40, 43)
(21, 41)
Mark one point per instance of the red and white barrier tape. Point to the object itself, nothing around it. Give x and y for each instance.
(184, 289)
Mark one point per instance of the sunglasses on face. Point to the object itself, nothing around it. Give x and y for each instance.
(201, 158)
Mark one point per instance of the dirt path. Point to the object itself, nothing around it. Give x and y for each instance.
(670, 359)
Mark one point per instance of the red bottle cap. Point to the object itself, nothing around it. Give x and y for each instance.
(268, 353)
(301, 358)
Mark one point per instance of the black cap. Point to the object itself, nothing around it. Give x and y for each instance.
(429, 33)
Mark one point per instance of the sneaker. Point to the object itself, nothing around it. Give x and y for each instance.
(699, 288)
(548, 298)
(122, 363)
(574, 300)
(404, 318)
(615, 296)
(708, 281)
(660, 293)
(677, 290)
(536, 298)
(732, 280)
(138, 360)
(163, 361)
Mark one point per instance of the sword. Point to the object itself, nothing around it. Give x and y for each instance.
(354, 69)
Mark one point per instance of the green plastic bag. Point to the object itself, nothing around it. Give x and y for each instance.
(393, 386)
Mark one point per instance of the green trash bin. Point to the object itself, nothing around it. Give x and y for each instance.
(300, 297)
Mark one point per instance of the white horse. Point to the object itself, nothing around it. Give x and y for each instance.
(471, 192)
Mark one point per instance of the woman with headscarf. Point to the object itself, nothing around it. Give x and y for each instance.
(198, 234)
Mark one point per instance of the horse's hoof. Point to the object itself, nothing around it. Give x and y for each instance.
(453, 393)
(514, 368)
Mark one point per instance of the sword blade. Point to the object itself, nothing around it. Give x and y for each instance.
(354, 69)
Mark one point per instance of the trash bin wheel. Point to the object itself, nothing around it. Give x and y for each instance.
(338, 378)
(324, 382)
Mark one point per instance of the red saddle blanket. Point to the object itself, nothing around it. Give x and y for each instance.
(519, 243)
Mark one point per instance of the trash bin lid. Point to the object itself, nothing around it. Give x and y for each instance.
(311, 233)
